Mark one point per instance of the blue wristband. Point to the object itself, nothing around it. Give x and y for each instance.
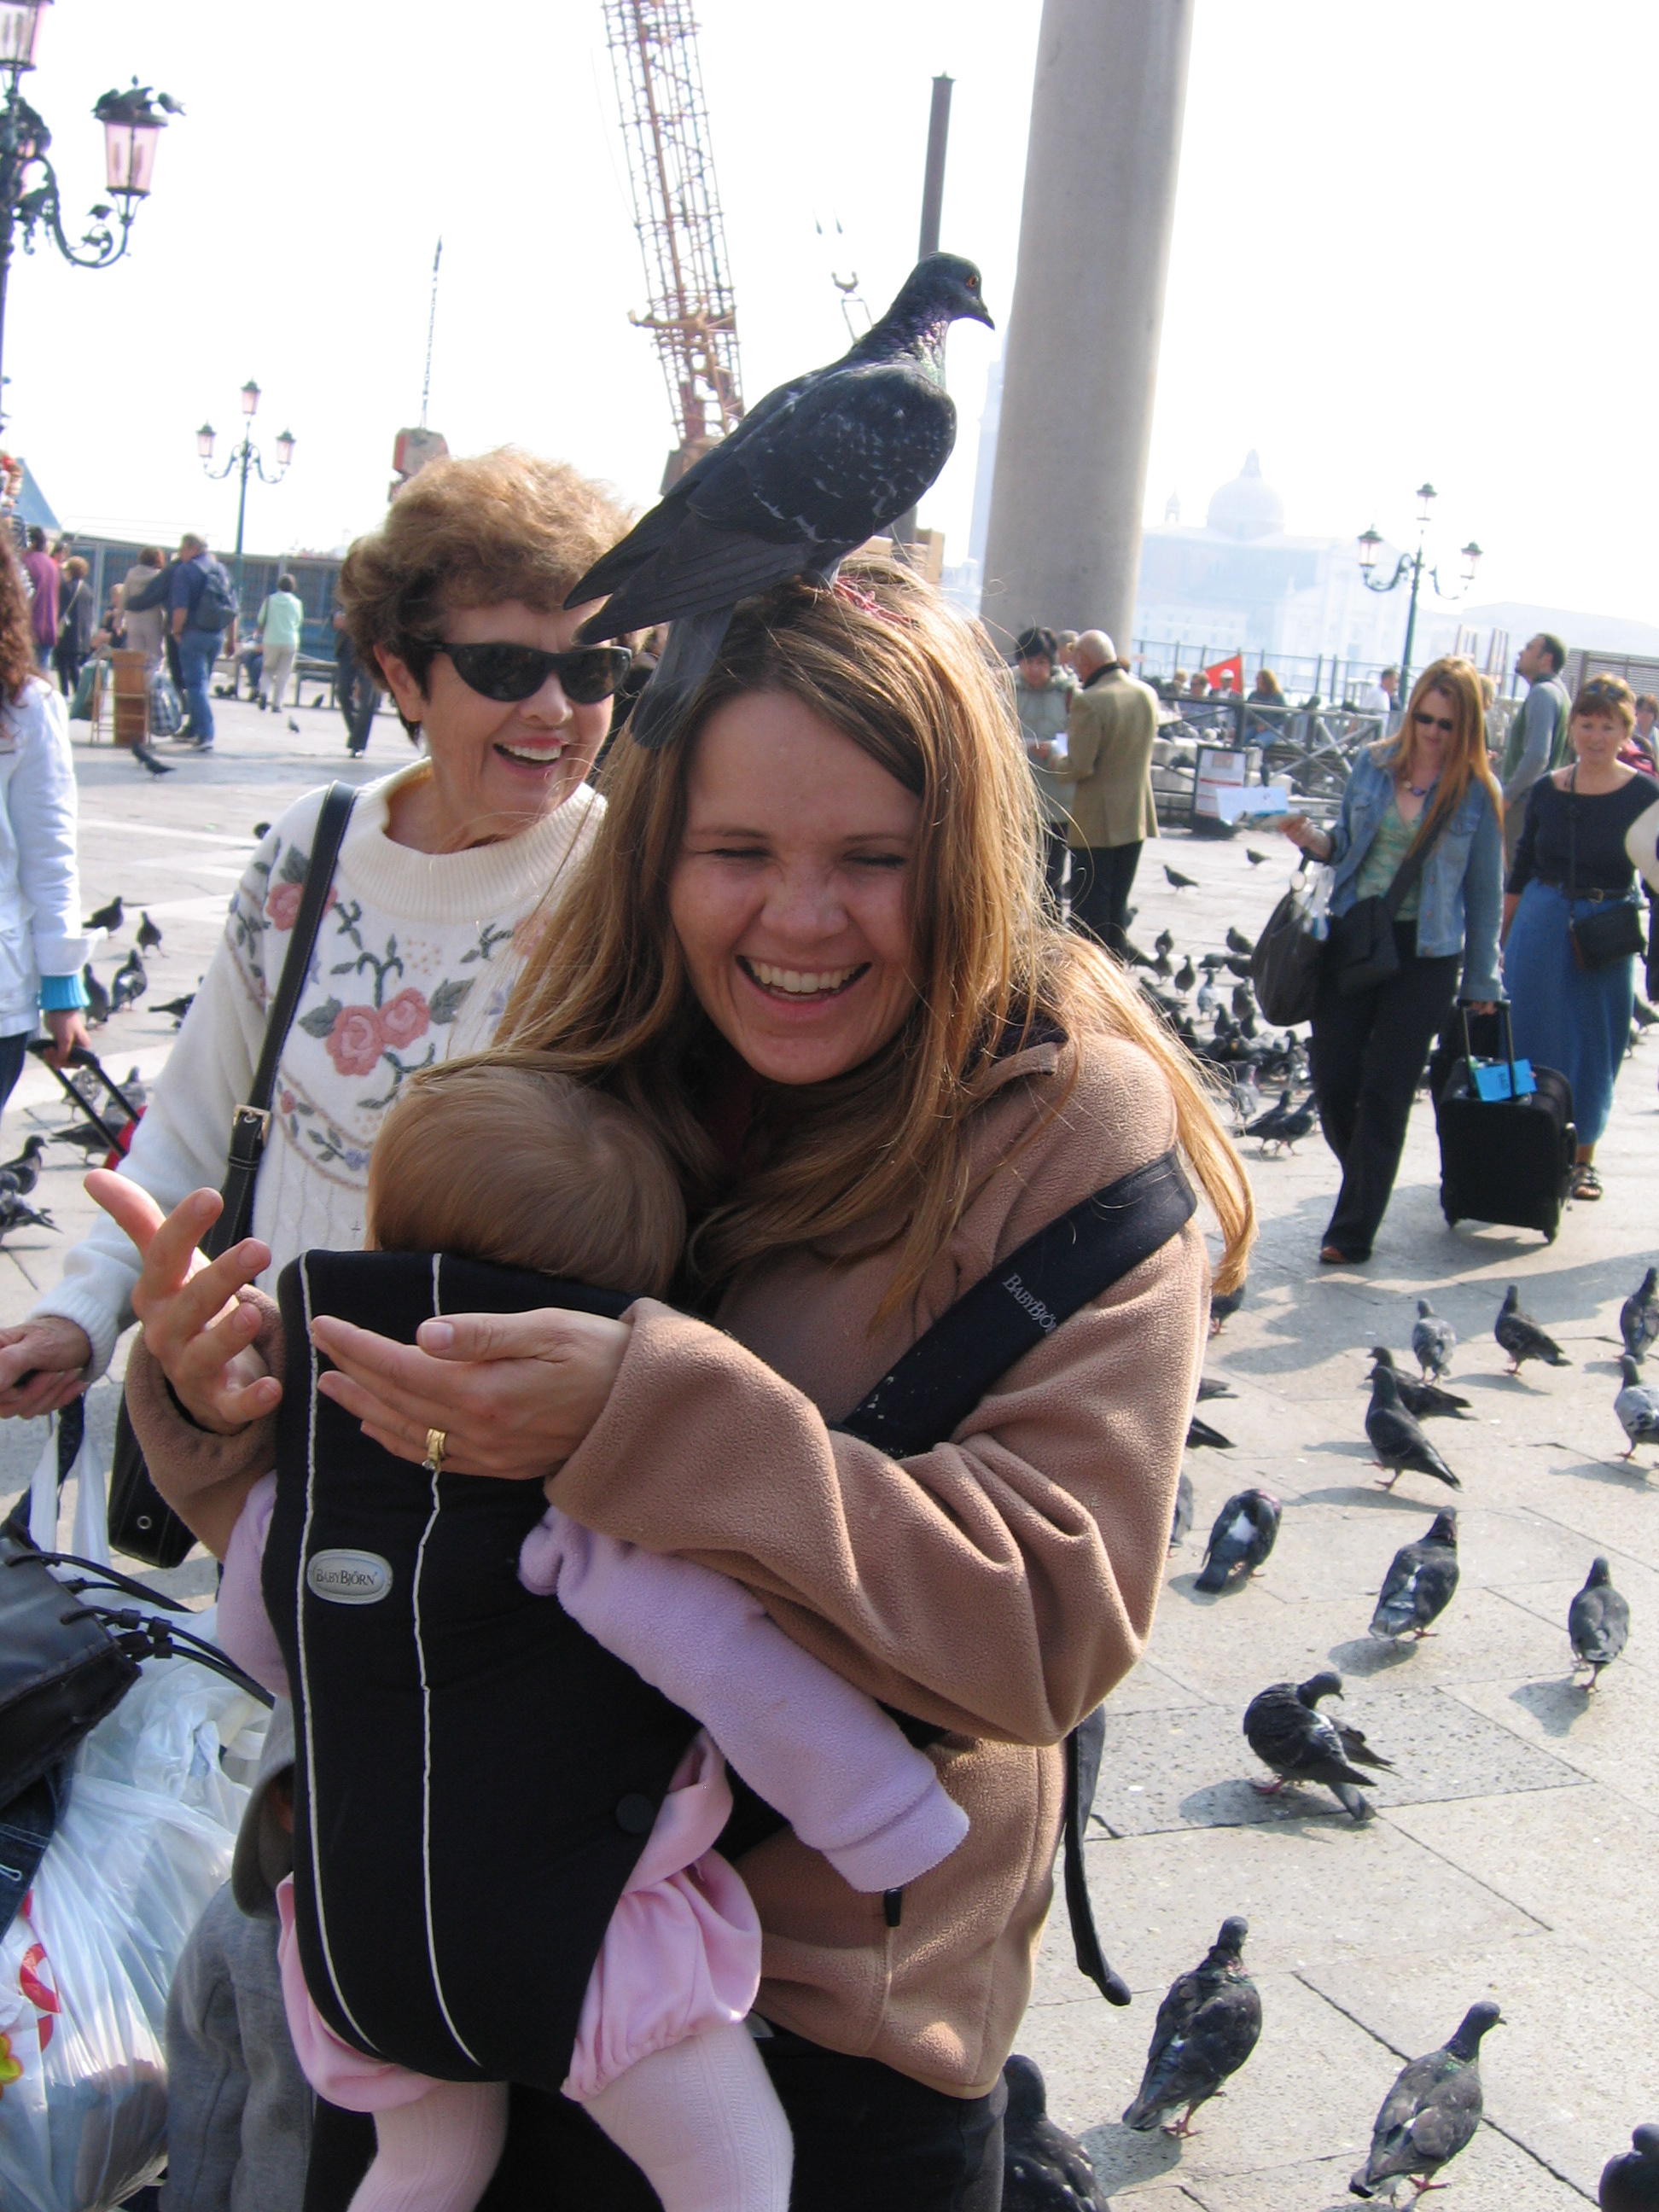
(60, 994)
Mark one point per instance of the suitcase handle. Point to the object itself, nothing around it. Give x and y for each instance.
(1509, 1046)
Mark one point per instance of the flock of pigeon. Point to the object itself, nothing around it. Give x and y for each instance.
(1211, 2021)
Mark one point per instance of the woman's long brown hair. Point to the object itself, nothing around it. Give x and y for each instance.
(16, 635)
(605, 996)
(1465, 760)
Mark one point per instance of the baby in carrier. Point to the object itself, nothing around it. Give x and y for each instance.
(531, 1172)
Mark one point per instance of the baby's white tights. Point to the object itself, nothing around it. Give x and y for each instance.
(701, 2119)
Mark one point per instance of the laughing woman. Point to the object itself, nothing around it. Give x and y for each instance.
(458, 598)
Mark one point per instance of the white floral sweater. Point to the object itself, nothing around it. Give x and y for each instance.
(413, 960)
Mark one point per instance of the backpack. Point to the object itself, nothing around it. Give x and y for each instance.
(215, 604)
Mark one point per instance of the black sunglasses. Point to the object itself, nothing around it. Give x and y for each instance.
(1428, 721)
(511, 673)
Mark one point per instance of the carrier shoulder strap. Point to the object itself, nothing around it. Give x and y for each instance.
(250, 1124)
(928, 1393)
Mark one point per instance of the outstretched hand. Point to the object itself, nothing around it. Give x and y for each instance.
(514, 1394)
(195, 1329)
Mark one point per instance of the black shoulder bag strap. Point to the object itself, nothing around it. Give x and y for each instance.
(250, 1125)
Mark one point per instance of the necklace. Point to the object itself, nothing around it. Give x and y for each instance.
(1415, 790)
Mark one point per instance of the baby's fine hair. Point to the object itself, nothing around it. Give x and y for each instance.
(528, 1169)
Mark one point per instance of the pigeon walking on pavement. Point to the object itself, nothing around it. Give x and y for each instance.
(1177, 881)
(130, 982)
(1420, 1584)
(1629, 2182)
(107, 918)
(1431, 2112)
(1433, 1342)
(1397, 1439)
(1206, 2027)
(1425, 1401)
(1598, 1623)
(150, 937)
(1522, 1338)
(21, 1175)
(1256, 860)
(97, 998)
(1287, 1732)
(1044, 2168)
(1638, 1317)
(1637, 1407)
(823, 463)
(1246, 1529)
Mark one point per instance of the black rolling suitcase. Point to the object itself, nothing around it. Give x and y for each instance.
(1507, 1160)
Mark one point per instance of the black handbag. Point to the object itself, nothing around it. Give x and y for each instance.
(1363, 948)
(1614, 933)
(1285, 964)
(141, 1522)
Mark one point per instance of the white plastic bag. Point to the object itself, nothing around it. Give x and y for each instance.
(144, 1841)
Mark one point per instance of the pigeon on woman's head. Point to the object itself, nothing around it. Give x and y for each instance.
(822, 464)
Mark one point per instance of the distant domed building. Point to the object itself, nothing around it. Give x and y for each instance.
(1248, 507)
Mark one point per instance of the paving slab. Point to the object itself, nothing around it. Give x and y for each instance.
(1492, 2175)
(1574, 2067)
(1192, 1767)
(1609, 1737)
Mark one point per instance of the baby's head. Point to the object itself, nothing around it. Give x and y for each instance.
(530, 1170)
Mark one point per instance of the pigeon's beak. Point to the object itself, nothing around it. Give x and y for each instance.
(981, 313)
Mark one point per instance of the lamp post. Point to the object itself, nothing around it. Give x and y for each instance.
(1412, 564)
(133, 122)
(245, 456)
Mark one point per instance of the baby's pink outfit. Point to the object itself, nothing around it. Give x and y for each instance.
(682, 1952)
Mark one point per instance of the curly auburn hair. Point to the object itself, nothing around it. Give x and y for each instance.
(16, 635)
(469, 533)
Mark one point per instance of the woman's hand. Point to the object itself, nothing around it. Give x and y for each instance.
(43, 1366)
(1314, 840)
(196, 1330)
(514, 1394)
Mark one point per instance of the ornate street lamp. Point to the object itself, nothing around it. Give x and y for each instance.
(133, 122)
(245, 456)
(1411, 565)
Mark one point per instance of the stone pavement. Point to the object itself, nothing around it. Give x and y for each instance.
(1513, 1852)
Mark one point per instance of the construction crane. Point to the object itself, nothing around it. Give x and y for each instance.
(692, 314)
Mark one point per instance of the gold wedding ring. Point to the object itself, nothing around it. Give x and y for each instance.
(437, 1443)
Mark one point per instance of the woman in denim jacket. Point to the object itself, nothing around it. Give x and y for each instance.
(1429, 785)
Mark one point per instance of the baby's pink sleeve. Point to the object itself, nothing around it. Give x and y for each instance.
(820, 1752)
(245, 1631)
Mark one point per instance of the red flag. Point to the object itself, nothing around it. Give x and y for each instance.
(1232, 668)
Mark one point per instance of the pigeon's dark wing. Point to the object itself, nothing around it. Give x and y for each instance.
(1354, 1746)
(1196, 2056)
(1296, 1742)
(1427, 2117)
(1598, 1623)
(1417, 1588)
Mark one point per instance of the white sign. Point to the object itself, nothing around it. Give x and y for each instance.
(1237, 803)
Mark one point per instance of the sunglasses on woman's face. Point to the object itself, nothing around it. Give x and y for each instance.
(509, 673)
(1427, 721)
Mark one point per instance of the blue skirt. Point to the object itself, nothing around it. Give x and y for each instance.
(1566, 1016)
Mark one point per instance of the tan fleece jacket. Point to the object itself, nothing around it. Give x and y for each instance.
(998, 1586)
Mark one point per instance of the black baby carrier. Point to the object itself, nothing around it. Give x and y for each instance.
(433, 1932)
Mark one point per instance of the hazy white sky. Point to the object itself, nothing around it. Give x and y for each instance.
(1410, 240)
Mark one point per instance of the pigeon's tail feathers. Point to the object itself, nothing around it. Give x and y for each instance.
(1394, 1615)
(692, 650)
(1352, 1802)
(612, 569)
(703, 567)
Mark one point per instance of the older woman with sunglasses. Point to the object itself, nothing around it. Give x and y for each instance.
(1425, 799)
(449, 869)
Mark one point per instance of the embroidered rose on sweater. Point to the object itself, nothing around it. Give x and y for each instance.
(403, 1020)
(355, 1043)
(282, 905)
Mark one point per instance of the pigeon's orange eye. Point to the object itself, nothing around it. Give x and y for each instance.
(972, 283)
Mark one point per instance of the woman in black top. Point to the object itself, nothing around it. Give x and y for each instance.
(75, 613)
(1572, 865)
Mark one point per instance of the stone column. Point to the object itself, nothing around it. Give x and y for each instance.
(1081, 363)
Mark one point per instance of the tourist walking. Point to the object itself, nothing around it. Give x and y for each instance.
(40, 876)
(1573, 917)
(443, 862)
(281, 626)
(1537, 742)
(1107, 768)
(355, 687)
(77, 617)
(202, 601)
(851, 1158)
(1419, 828)
(1043, 695)
(43, 574)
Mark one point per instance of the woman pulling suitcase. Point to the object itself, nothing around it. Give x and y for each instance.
(1418, 852)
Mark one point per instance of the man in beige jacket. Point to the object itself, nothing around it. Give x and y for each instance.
(1109, 759)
